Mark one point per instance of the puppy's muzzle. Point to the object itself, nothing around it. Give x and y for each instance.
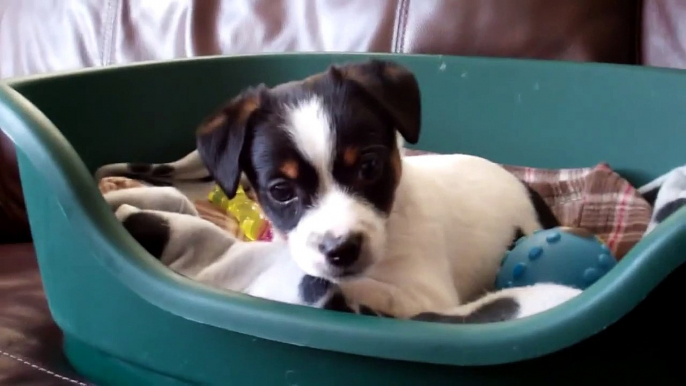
(341, 251)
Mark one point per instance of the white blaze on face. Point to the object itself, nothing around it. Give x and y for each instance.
(310, 129)
(334, 210)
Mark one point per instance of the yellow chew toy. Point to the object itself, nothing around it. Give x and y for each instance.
(247, 212)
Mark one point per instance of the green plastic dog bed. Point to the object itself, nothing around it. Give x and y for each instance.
(128, 320)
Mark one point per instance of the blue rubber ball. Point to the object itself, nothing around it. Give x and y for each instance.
(562, 255)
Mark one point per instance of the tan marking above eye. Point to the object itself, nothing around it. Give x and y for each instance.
(350, 156)
(290, 169)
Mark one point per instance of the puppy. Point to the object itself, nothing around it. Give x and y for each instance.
(400, 234)
(404, 236)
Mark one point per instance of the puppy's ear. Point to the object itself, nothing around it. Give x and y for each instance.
(221, 137)
(393, 86)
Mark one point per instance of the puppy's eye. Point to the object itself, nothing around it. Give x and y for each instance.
(370, 167)
(282, 191)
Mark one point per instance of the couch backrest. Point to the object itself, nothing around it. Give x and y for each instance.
(664, 33)
(38, 36)
(49, 35)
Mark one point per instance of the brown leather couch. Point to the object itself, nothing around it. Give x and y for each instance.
(38, 36)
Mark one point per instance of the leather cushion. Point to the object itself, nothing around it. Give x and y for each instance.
(14, 226)
(41, 36)
(578, 30)
(30, 342)
(664, 33)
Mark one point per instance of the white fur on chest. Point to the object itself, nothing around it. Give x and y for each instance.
(454, 217)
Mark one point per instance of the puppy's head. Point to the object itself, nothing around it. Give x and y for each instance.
(322, 155)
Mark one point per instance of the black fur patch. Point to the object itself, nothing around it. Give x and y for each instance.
(669, 209)
(161, 175)
(150, 230)
(139, 168)
(651, 195)
(361, 123)
(155, 181)
(545, 215)
(518, 235)
(269, 149)
(498, 310)
(163, 170)
(364, 310)
(313, 288)
(338, 303)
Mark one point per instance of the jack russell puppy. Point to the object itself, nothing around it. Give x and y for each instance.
(408, 237)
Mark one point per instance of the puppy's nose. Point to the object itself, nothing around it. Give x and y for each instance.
(341, 251)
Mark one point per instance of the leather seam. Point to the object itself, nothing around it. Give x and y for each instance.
(396, 27)
(41, 369)
(406, 13)
(108, 32)
(639, 21)
(403, 11)
(104, 31)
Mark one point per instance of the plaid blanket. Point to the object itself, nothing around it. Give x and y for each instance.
(595, 198)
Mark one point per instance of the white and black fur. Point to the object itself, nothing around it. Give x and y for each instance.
(667, 194)
(402, 236)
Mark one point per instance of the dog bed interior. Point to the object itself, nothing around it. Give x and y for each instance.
(129, 320)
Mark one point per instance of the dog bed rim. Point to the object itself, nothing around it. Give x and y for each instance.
(599, 306)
